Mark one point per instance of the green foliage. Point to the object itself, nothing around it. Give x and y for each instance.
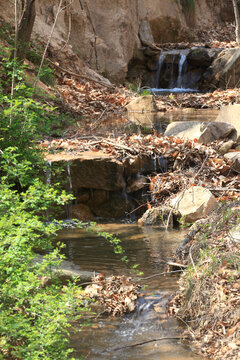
(47, 75)
(35, 318)
(145, 92)
(189, 4)
(6, 33)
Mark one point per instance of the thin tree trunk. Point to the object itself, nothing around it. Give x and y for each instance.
(237, 20)
(25, 28)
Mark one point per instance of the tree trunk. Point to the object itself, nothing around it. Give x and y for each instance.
(25, 28)
(237, 20)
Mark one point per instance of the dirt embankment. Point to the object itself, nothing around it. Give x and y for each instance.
(208, 299)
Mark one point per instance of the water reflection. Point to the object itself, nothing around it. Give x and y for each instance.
(151, 248)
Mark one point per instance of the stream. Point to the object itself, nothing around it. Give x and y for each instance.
(151, 248)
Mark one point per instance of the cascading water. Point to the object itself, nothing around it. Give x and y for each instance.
(160, 64)
(172, 73)
(182, 61)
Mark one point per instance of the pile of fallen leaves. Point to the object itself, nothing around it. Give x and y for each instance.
(209, 100)
(89, 99)
(188, 163)
(117, 294)
(202, 165)
(208, 299)
(218, 37)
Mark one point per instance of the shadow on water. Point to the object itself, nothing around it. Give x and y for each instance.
(150, 248)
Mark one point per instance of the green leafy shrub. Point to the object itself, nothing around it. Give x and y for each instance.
(34, 318)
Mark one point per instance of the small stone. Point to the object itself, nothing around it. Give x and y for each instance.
(226, 147)
(234, 158)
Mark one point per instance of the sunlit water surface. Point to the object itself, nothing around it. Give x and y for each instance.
(150, 248)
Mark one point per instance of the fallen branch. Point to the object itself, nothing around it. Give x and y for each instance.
(133, 151)
(162, 273)
(149, 341)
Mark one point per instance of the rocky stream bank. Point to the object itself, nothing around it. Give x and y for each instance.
(173, 179)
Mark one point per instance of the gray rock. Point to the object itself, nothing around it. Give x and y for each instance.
(142, 111)
(234, 158)
(205, 132)
(231, 114)
(224, 71)
(195, 203)
(68, 271)
(225, 147)
(145, 33)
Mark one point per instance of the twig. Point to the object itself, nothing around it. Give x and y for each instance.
(94, 125)
(120, 146)
(48, 42)
(162, 273)
(190, 255)
(149, 341)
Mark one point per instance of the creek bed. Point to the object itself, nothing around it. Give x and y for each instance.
(150, 248)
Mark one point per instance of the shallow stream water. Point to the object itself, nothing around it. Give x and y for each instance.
(150, 248)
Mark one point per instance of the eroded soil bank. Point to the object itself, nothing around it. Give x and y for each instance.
(208, 298)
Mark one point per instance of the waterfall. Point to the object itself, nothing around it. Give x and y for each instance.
(172, 73)
(171, 82)
(180, 69)
(70, 187)
(160, 64)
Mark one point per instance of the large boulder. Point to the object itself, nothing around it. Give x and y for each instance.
(142, 111)
(231, 114)
(204, 132)
(194, 203)
(224, 71)
(234, 158)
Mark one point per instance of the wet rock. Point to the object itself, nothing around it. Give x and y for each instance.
(117, 206)
(195, 203)
(66, 271)
(82, 195)
(142, 111)
(94, 170)
(199, 58)
(231, 114)
(160, 216)
(144, 164)
(98, 197)
(137, 184)
(205, 132)
(234, 158)
(82, 212)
